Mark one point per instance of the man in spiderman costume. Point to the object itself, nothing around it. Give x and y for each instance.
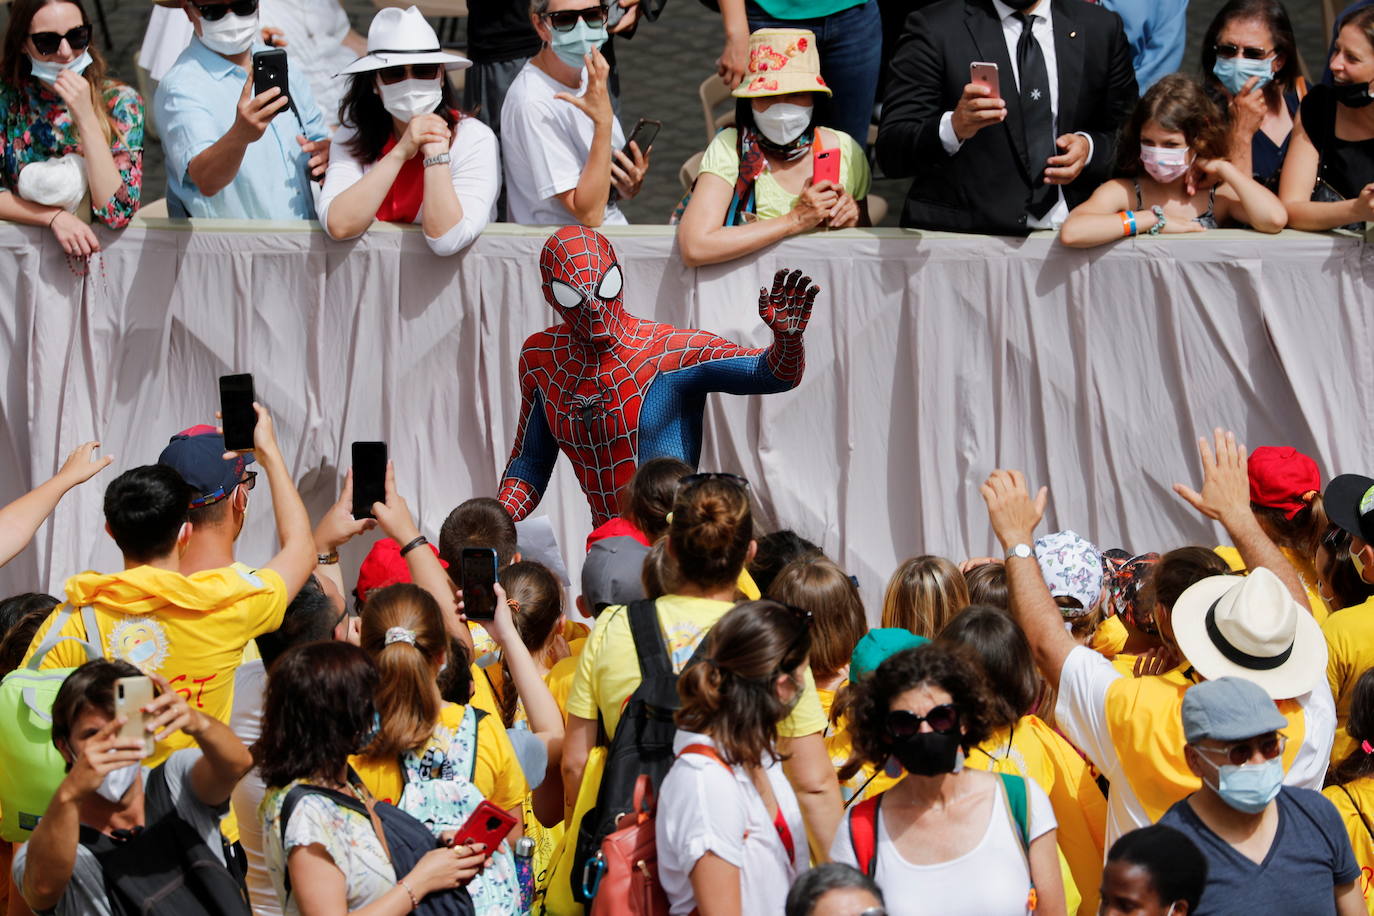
(612, 390)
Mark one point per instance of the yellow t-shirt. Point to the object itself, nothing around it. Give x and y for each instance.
(191, 630)
(1362, 790)
(1306, 572)
(1034, 750)
(770, 198)
(497, 774)
(1110, 637)
(608, 668)
(1349, 653)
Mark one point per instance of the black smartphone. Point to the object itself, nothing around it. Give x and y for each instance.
(269, 69)
(237, 415)
(478, 582)
(646, 129)
(369, 477)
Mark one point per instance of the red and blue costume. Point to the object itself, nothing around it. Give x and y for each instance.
(612, 390)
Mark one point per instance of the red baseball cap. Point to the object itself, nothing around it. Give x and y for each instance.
(1282, 477)
(385, 566)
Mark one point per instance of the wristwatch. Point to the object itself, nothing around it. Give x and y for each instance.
(1021, 551)
(440, 159)
(327, 559)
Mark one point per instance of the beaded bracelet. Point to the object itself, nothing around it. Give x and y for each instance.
(1158, 227)
(414, 901)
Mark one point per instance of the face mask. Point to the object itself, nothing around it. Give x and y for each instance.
(1020, 4)
(930, 753)
(47, 70)
(117, 782)
(1237, 71)
(1358, 564)
(575, 44)
(1249, 788)
(1352, 95)
(410, 98)
(783, 122)
(231, 35)
(1165, 164)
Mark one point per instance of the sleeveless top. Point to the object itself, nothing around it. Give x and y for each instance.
(1346, 165)
(1206, 220)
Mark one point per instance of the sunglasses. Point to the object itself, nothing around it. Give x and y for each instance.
(1242, 752)
(1230, 51)
(566, 20)
(944, 719)
(48, 42)
(217, 11)
(392, 75)
(712, 475)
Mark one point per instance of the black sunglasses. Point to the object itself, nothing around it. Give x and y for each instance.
(216, 11)
(902, 723)
(566, 20)
(1241, 753)
(48, 42)
(392, 75)
(1230, 51)
(702, 476)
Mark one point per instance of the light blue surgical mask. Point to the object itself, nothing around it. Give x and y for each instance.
(1249, 788)
(47, 70)
(1235, 72)
(573, 45)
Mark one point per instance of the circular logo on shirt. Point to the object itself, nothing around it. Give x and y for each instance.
(140, 641)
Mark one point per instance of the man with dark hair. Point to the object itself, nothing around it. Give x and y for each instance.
(190, 629)
(111, 811)
(478, 522)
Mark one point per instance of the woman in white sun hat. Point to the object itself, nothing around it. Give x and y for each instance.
(403, 152)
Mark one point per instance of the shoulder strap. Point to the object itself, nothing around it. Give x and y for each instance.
(657, 680)
(863, 834)
(370, 804)
(92, 644)
(1363, 820)
(705, 750)
(476, 715)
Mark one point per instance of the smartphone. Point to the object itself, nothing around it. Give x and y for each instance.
(488, 825)
(369, 477)
(269, 69)
(825, 166)
(982, 73)
(646, 129)
(478, 581)
(237, 415)
(131, 695)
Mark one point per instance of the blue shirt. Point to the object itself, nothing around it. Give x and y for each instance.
(1157, 31)
(1310, 857)
(196, 103)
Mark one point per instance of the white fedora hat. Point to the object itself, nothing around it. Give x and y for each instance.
(1252, 628)
(398, 37)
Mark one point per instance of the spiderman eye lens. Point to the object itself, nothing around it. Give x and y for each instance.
(565, 295)
(610, 284)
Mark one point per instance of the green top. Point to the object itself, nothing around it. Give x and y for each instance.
(772, 199)
(806, 9)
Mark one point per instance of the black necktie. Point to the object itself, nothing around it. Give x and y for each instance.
(1036, 116)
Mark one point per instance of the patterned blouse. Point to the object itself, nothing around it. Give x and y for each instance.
(38, 127)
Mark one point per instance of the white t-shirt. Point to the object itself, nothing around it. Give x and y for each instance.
(703, 807)
(545, 142)
(250, 685)
(475, 167)
(992, 879)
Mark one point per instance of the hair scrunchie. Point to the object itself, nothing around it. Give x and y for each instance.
(399, 634)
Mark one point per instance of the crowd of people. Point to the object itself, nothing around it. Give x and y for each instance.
(1008, 116)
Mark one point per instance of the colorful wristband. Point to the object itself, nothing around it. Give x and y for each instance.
(1128, 226)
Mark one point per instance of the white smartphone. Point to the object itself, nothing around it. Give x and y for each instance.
(131, 695)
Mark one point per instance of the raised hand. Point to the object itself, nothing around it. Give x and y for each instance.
(1011, 510)
(595, 102)
(82, 464)
(1225, 479)
(787, 308)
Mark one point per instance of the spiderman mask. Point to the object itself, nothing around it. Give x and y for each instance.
(583, 282)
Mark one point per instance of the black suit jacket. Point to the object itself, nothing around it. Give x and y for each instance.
(986, 186)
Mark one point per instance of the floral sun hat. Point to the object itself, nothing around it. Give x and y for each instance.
(782, 61)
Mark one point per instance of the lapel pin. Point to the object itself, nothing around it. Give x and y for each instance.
(1073, 34)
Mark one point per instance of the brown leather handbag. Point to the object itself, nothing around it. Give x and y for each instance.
(629, 858)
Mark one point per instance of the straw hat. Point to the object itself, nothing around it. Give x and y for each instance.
(398, 37)
(782, 61)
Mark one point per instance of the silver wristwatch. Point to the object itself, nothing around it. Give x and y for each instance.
(437, 160)
(1022, 551)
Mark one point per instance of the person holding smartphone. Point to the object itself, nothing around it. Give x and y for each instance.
(761, 181)
(404, 153)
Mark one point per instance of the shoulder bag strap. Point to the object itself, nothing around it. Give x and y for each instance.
(370, 804)
(863, 834)
(1017, 793)
(475, 730)
(288, 805)
(92, 645)
(1363, 820)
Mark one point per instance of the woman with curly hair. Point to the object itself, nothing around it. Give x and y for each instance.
(947, 839)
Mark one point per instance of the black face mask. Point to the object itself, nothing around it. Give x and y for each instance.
(928, 753)
(1352, 95)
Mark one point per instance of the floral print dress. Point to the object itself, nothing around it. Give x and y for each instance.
(38, 127)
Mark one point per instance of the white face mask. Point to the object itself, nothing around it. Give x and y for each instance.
(117, 782)
(231, 35)
(47, 70)
(783, 122)
(411, 97)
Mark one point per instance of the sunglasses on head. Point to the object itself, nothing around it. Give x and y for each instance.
(1242, 752)
(1230, 51)
(216, 11)
(48, 42)
(566, 20)
(902, 723)
(702, 476)
(391, 75)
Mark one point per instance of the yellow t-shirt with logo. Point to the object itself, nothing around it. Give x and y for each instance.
(1359, 820)
(1306, 572)
(1349, 636)
(608, 668)
(1110, 637)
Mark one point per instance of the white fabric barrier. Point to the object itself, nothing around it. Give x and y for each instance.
(930, 361)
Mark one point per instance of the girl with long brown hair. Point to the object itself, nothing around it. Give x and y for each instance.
(56, 102)
(923, 595)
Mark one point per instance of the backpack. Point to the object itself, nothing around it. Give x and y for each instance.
(642, 746)
(863, 828)
(167, 867)
(32, 768)
(404, 839)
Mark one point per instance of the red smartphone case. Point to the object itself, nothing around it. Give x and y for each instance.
(487, 825)
(826, 166)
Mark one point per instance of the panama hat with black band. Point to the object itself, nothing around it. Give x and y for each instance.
(398, 37)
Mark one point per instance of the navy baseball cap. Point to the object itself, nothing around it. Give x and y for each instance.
(197, 454)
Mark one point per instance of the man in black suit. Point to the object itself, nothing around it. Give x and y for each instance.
(1007, 165)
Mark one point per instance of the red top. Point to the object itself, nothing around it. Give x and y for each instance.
(402, 202)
